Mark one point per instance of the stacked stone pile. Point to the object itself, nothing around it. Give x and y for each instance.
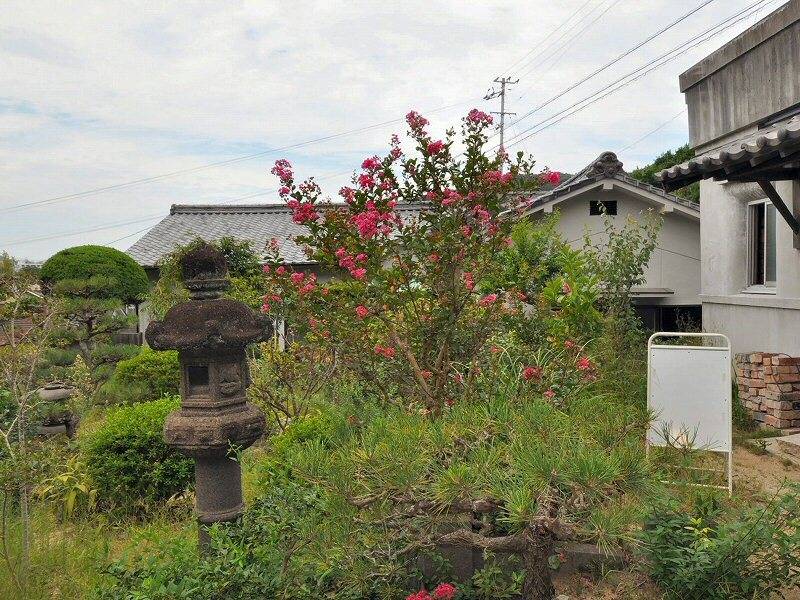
(769, 387)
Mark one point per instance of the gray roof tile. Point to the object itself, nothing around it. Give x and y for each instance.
(255, 223)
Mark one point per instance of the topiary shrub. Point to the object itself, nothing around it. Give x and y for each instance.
(127, 279)
(158, 373)
(129, 463)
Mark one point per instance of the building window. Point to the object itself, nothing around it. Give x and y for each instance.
(596, 207)
(763, 248)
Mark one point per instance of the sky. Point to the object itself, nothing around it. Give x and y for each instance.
(106, 93)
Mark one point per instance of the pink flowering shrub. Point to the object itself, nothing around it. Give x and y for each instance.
(410, 243)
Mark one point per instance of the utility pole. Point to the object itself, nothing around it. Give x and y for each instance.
(491, 94)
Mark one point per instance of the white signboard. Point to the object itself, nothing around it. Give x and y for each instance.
(689, 393)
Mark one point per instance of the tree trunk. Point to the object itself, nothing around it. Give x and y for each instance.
(537, 584)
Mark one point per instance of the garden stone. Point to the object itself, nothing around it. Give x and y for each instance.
(210, 334)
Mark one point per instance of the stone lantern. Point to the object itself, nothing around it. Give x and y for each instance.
(210, 334)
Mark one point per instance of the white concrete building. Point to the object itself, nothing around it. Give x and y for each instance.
(673, 275)
(744, 124)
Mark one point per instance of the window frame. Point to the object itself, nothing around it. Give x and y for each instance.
(765, 286)
(602, 204)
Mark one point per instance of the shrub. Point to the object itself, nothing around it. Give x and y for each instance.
(701, 555)
(126, 280)
(129, 463)
(158, 372)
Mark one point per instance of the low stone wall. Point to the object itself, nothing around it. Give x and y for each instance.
(769, 387)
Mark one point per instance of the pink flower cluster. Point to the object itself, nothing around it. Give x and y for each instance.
(435, 147)
(302, 212)
(266, 306)
(469, 281)
(443, 591)
(451, 197)
(305, 283)
(498, 177)
(372, 221)
(385, 351)
(362, 311)
(488, 300)
(283, 170)
(551, 177)
(479, 117)
(481, 213)
(348, 194)
(351, 263)
(372, 164)
(529, 373)
(416, 121)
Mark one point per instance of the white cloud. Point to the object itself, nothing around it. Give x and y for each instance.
(114, 91)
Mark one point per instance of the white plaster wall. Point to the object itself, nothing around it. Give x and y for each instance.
(675, 263)
(754, 322)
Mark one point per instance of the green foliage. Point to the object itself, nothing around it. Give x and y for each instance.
(157, 372)
(244, 270)
(666, 160)
(70, 491)
(705, 554)
(128, 461)
(116, 274)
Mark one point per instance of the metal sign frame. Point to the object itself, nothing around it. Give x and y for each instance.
(727, 395)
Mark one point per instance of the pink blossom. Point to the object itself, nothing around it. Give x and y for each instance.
(281, 270)
(469, 282)
(549, 393)
(451, 197)
(266, 268)
(385, 351)
(498, 177)
(265, 308)
(312, 322)
(371, 164)
(420, 595)
(359, 274)
(495, 350)
(479, 117)
(435, 147)
(566, 289)
(416, 121)
(283, 170)
(529, 373)
(466, 230)
(348, 194)
(426, 374)
(362, 311)
(362, 258)
(366, 181)
(584, 364)
(488, 300)
(444, 591)
(551, 177)
(434, 257)
(569, 344)
(284, 191)
(508, 242)
(297, 278)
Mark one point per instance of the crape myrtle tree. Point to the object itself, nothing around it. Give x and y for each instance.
(405, 314)
(493, 434)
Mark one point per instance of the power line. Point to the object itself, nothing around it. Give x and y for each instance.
(567, 43)
(615, 60)
(639, 72)
(566, 47)
(153, 178)
(547, 37)
(649, 133)
(152, 217)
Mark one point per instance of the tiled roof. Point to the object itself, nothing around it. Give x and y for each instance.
(774, 143)
(255, 223)
(606, 166)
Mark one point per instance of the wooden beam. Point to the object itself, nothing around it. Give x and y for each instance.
(780, 205)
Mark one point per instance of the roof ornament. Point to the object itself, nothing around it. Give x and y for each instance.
(606, 165)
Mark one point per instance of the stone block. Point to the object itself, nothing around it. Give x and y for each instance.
(786, 360)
